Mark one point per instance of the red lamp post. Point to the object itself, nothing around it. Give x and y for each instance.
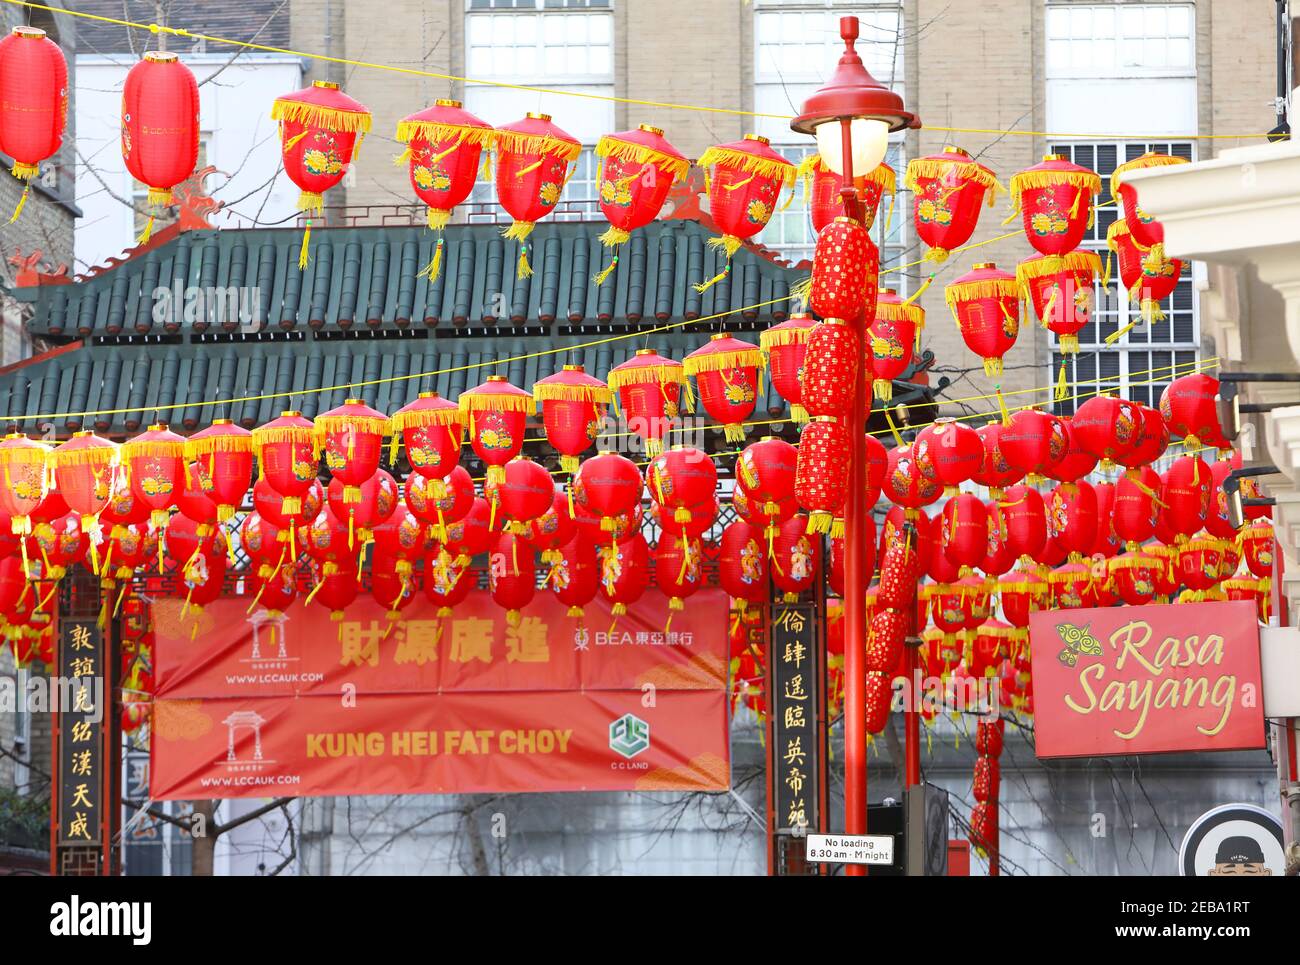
(852, 117)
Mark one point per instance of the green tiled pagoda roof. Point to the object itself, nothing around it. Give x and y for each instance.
(363, 313)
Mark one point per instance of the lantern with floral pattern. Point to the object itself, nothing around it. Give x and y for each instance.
(533, 158)
(649, 389)
(288, 456)
(1148, 275)
(638, 169)
(822, 187)
(573, 411)
(1054, 198)
(786, 345)
(352, 440)
(948, 191)
(496, 413)
(432, 429)
(1060, 287)
(1146, 230)
(892, 333)
(727, 373)
(985, 303)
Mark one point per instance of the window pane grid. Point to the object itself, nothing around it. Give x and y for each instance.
(1096, 40)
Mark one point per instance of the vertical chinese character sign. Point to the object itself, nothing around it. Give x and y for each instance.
(82, 765)
(795, 720)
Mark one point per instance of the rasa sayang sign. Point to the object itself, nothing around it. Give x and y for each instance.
(1146, 679)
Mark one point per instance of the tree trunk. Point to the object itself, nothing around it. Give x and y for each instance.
(204, 846)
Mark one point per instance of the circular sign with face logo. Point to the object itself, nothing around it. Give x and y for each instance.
(1233, 840)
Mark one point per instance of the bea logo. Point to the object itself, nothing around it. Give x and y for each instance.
(629, 735)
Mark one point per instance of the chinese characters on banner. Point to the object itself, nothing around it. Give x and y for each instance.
(295, 704)
(1146, 679)
(82, 763)
(795, 709)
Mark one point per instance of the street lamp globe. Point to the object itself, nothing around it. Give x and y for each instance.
(868, 140)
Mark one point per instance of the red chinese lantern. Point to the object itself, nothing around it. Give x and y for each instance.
(766, 469)
(33, 102)
(878, 697)
(624, 572)
(197, 508)
(886, 638)
(830, 366)
(998, 557)
(377, 502)
(985, 303)
(1054, 198)
(573, 412)
(1033, 441)
(625, 525)
(992, 646)
(1146, 230)
(23, 463)
(727, 373)
(683, 479)
(679, 569)
(744, 179)
(786, 345)
(901, 565)
(940, 568)
(1107, 540)
(160, 126)
(446, 585)
(822, 188)
(352, 440)
(638, 169)
(702, 516)
(1108, 428)
(1165, 573)
(822, 471)
(1255, 591)
(85, 469)
(288, 457)
(321, 130)
(948, 190)
(432, 430)
(265, 545)
(649, 389)
(1022, 593)
(995, 472)
(574, 578)
(1076, 463)
(1189, 405)
(1024, 518)
(59, 543)
(438, 511)
(607, 486)
(1134, 515)
(533, 158)
(496, 413)
(1186, 495)
(200, 585)
(964, 530)
(471, 535)
(1147, 275)
(552, 529)
(270, 505)
(1133, 578)
(155, 462)
(892, 333)
(846, 266)
(443, 146)
(401, 540)
(796, 558)
(222, 459)
(1200, 563)
(1217, 521)
(954, 449)
(950, 609)
(512, 575)
(911, 481)
(1060, 289)
(391, 590)
(273, 595)
(1257, 547)
(742, 565)
(1070, 584)
(526, 492)
(1072, 518)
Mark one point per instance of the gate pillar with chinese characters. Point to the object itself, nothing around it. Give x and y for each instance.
(796, 733)
(86, 795)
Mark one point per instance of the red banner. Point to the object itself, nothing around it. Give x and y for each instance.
(1146, 679)
(296, 705)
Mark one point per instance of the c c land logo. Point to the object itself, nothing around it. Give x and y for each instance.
(629, 735)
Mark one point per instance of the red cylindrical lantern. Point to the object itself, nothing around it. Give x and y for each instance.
(822, 471)
(846, 267)
(447, 585)
(496, 413)
(746, 179)
(23, 463)
(1021, 592)
(1024, 516)
(1134, 514)
(1054, 198)
(432, 430)
(401, 539)
(767, 470)
(33, 102)
(742, 565)
(727, 372)
(679, 568)
(573, 411)
(288, 457)
(607, 485)
(638, 169)
(85, 468)
(378, 500)
(1132, 576)
(321, 130)
(995, 472)
(892, 333)
(624, 571)
(1072, 518)
(1077, 462)
(574, 578)
(352, 440)
(1146, 230)
(1033, 441)
(948, 190)
(998, 557)
(533, 158)
(830, 366)
(526, 492)
(964, 530)
(222, 458)
(1186, 495)
(1257, 547)
(649, 389)
(160, 125)
(1070, 583)
(1060, 287)
(681, 480)
(438, 511)
(155, 461)
(443, 146)
(796, 557)
(911, 481)
(985, 303)
(786, 345)
(953, 448)
(1107, 427)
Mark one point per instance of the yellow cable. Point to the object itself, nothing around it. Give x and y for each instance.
(666, 105)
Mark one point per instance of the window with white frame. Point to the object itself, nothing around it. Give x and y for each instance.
(1142, 362)
(796, 44)
(562, 45)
